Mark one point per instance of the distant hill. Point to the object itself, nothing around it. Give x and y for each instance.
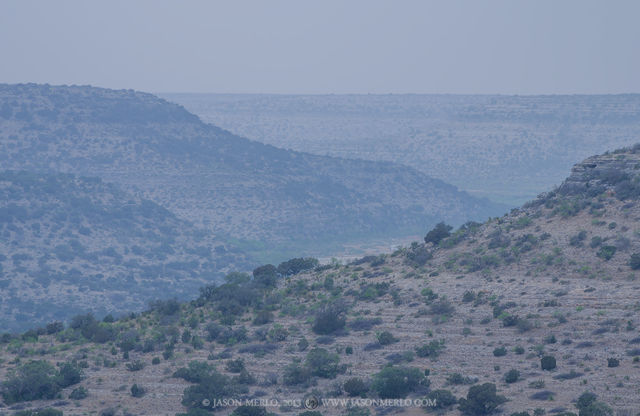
(506, 148)
(534, 312)
(260, 196)
(74, 244)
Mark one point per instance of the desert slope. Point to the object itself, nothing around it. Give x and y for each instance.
(540, 304)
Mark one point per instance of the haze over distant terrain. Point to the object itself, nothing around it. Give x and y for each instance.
(506, 148)
(329, 46)
(268, 199)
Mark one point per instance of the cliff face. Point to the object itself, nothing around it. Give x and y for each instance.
(611, 172)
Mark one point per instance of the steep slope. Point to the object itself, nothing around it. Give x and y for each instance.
(540, 304)
(506, 148)
(77, 244)
(236, 187)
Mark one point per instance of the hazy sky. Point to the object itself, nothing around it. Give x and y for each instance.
(325, 46)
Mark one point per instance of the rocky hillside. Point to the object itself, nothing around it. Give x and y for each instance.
(531, 313)
(73, 244)
(233, 186)
(506, 148)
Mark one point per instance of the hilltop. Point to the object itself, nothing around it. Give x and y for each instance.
(72, 244)
(273, 201)
(522, 313)
(506, 148)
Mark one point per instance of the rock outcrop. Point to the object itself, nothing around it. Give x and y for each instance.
(610, 172)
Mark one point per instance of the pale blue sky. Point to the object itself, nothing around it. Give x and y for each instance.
(327, 46)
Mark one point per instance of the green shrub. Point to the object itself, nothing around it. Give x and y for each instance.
(91, 329)
(278, 333)
(466, 230)
(586, 399)
(432, 349)
(165, 307)
(509, 320)
(78, 393)
(230, 336)
(41, 412)
(37, 380)
(297, 265)
(469, 296)
(328, 283)
(248, 410)
(613, 362)
(265, 276)
(588, 405)
(373, 291)
(358, 411)
(397, 382)
(303, 344)
(323, 364)
(195, 372)
(193, 322)
(296, 374)
(135, 366)
(418, 255)
(438, 233)
(498, 308)
(634, 261)
(213, 387)
(235, 366)
(69, 375)
(429, 295)
(110, 411)
(524, 325)
(512, 376)
(578, 239)
(262, 318)
(137, 391)
(386, 338)
(457, 379)
(500, 352)
(245, 378)
(234, 297)
(522, 222)
(329, 319)
(548, 362)
(606, 252)
(213, 330)
(481, 400)
(442, 398)
(442, 307)
(355, 387)
(54, 327)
